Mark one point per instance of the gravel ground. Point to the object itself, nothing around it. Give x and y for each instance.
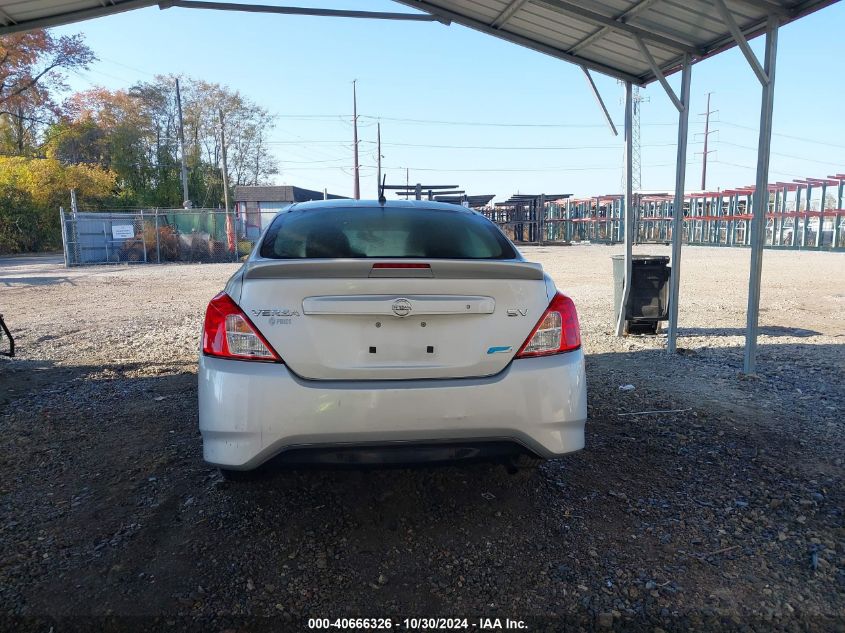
(727, 514)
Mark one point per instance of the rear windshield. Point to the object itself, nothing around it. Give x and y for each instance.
(362, 232)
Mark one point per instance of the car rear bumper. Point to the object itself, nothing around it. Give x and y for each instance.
(250, 412)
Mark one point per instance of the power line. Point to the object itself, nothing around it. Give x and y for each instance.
(754, 168)
(491, 169)
(339, 117)
(314, 142)
(308, 158)
(311, 162)
(789, 136)
(345, 119)
(793, 156)
(317, 152)
(523, 147)
(82, 75)
(127, 66)
(497, 124)
(345, 144)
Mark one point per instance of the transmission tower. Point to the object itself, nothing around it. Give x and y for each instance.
(636, 165)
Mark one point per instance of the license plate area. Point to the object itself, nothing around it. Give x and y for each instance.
(391, 340)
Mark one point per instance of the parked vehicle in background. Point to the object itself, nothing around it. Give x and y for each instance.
(367, 332)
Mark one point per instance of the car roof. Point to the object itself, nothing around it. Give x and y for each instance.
(372, 204)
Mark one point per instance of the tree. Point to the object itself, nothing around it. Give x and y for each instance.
(247, 126)
(120, 148)
(31, 192)
(135, 134)
(129, 132)
(32, 70)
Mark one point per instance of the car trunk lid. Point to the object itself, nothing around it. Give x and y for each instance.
(388, 320)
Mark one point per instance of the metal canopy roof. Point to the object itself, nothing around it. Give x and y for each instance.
(608, 35)
(627, 39)
(23, 15)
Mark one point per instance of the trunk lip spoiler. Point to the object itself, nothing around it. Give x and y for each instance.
(363, 268)
(381, 305)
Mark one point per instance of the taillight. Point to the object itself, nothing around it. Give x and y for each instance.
(228, 333)
(557, 330)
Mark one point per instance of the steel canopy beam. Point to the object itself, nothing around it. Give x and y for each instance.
(457, 18)
(772, 7)
(616, 25)
(6, 18)
(678, 207)
(741, 41)
(600, 33)
(660, 76)
(74, 16)
(629, 211)
(507, 13)
(760, 201)
(600, 101)
(326, 13)
(749, 31)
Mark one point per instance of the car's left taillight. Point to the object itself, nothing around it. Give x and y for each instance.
(556, 332)
(228, 333)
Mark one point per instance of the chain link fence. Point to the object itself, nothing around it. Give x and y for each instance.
(157, 236)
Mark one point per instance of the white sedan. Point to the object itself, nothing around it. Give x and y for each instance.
(368, 332)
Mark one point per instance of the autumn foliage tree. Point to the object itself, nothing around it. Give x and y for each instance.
(117, 148)
(33, 67)
(32, 73)
(135, 133)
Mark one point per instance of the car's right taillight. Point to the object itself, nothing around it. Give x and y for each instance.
(556, 332)
(228, 333)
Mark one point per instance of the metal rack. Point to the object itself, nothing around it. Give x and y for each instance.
(806, 214)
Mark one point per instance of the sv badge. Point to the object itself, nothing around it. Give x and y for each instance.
(515, 312)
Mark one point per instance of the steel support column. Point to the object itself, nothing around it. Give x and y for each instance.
(678, 207)
(629, 211)
(761, 196)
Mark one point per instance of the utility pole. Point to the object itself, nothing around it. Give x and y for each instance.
(257, 157)
(231, 234)
(186, 202)
(378, 144)
(225, 165)
(356, 185)
(706, 138)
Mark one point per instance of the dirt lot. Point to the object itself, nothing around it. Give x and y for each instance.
(726, 514)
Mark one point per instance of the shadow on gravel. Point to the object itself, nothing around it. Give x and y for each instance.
(19, 377)
(771, 330)
(664, 519)
(796, 383)
(13, 261)
(35, 281)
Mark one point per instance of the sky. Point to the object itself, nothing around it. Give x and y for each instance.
(458, 107)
